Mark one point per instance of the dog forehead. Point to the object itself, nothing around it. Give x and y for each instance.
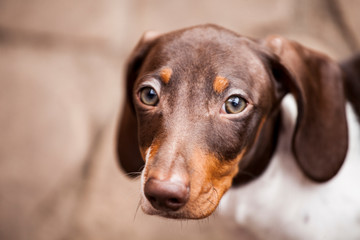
(214, 66)
(209, 48)
(194, 42)
(196, 57)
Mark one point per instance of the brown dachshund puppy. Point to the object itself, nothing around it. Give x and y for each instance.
(204, 112)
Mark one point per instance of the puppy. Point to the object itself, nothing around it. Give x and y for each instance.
(208, 109)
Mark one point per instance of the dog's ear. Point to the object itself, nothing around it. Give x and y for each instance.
(320, 137)
(127, 139)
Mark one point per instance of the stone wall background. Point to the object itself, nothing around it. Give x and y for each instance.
(61, 88)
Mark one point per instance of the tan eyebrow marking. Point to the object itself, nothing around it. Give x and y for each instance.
(165, 75)
(220, 84)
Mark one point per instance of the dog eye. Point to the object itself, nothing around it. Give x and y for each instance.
(234, 104)
(148, 96)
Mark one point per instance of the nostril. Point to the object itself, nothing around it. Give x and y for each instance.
(174, 200)
(166, 195)
(151, 199)
(174, 203)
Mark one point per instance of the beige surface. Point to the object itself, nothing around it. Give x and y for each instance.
(61, 67)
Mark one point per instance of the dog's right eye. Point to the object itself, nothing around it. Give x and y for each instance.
(148, 96)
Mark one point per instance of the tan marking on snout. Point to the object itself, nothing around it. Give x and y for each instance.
(165, 75)
(210, 179)
(220, 84)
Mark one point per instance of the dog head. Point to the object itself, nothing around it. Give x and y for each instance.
(203, 107)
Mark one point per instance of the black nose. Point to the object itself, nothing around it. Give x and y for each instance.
(166, 195)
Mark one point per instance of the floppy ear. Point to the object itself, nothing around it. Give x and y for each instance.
(351, 70)
(127, 140)
(320, 138)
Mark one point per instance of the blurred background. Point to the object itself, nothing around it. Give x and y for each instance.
(61, 89)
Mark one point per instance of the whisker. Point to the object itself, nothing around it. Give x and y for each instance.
(137, 209)
(246, 173)
(215, 190)
(199, 225)
(207, 220)
(142, 168)
(133, 174)
(202, 212)
(212, 203)
(136, 173)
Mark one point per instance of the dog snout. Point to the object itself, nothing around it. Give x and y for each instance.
(166, 195)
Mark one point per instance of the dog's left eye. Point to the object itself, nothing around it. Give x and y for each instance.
(234, 104)
(148, 96)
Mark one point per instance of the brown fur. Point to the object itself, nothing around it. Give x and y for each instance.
(196, 146)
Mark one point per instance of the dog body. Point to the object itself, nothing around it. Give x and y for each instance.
(205, 111)
(285, 204)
